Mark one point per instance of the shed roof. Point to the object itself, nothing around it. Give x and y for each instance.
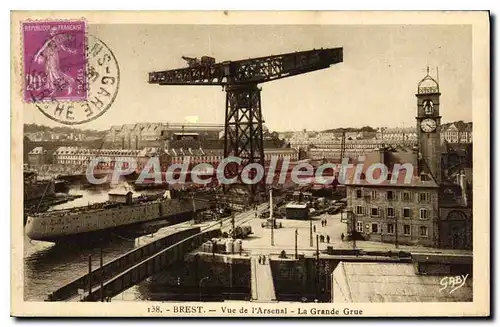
(120, 192)
(392, 282)
(296, 205)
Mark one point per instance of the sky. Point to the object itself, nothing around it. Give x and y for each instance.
(375, 85)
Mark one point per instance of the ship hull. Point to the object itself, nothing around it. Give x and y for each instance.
(126, 232)
(68, 225)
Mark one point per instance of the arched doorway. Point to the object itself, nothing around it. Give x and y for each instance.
(458, 230)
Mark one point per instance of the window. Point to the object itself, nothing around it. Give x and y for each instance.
(406, 230)
(359, 194)
(390, 212)
(390, 195)
(374, 194)
(406, 196)
(406, 213)
(424, 214)
(423, 231)
(424, 178)
(359, 210)
(362, 176)
(359, 226)
(390, 228)
(374, 212)
(389, 176)
(424, 197)
(374, 228)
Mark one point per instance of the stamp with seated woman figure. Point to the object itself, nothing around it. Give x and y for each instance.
(71, 77)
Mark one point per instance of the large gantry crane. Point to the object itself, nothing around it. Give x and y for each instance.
(243, 135)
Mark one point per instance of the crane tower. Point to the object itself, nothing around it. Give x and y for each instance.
(243, 135)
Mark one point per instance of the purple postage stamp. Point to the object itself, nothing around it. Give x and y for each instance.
(70, 76)
(55, 62)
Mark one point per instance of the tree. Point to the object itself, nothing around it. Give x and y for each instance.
(368, 129)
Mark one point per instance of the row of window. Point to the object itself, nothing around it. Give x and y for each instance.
(69, 159)
(376, 228)
(391, 212)
(393, 195)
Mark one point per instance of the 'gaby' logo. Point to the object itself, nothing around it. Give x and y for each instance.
(452, 283)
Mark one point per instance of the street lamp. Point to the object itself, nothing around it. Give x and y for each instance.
(200, 284)
(310, 230)
(271, 214)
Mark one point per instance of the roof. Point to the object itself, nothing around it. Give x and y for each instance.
(391, 282)
(402, 158)
(428, 85)
(296, 205)
(68, 150)
(220, 152)
(459, 126)
(398, 130)
(38, 150)
(457, 259)
(120, 192)
(148, 151)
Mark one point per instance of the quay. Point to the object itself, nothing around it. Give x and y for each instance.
(293, 270)
(262, 282)
(117, 275)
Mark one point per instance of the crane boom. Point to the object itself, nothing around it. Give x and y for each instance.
(243, 131)
(250, 71)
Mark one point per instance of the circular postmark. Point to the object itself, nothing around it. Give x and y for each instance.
(74, 92)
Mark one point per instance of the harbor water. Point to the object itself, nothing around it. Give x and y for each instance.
(48, 266)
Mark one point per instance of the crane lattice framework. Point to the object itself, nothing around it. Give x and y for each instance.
(243, 135)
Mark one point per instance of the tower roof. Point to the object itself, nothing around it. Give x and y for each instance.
(428, 85)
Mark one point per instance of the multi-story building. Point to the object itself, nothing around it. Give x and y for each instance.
(72, 155)
(457, 132)
(140, 135)
(37, 156)
(402, 208)
(80, 157)
(36, 136)
(328, 140)
(353, 148)
(397, 135)
(301, 140)
(321, 146)
(214, 156)
(421, 204)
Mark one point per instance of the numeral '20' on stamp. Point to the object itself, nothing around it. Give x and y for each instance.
(54, 61)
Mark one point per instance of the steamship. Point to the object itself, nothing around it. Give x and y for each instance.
(121, 211)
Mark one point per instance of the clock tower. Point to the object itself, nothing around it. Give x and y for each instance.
(428, 127)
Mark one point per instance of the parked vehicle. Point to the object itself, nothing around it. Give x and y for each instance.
(241, 231)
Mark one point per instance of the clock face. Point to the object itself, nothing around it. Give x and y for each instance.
(428, 125)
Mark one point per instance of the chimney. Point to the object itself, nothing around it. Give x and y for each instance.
(167, 143)
(383, 154)
(417, 157)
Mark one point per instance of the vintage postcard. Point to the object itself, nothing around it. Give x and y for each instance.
(250, 164)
